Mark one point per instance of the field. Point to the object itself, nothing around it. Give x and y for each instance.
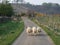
(51, 24)
(10, 31)
(51, 21)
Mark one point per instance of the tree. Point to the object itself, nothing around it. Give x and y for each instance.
(6, 10)
(44, 4)
(19, 0)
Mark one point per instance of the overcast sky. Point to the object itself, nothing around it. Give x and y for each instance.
(39, 2)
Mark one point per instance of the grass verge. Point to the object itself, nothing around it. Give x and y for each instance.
(55, 37)
(10, 31)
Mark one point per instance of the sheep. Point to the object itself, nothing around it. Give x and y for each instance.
(34, 29)
(29, 30)
(38, 29)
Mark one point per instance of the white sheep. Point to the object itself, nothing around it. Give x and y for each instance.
(29, 30)
(38, 29)
(34, 30)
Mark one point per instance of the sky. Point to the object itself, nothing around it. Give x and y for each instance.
(39, 2)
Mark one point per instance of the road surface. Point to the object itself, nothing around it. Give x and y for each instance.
(24, 39)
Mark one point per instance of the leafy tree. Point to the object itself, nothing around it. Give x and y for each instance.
(22, 14)
(6, 10)
(44, 4)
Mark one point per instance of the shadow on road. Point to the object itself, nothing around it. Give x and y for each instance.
(38, 35)
(41, 35)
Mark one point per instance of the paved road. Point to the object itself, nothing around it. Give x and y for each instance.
(24, 39)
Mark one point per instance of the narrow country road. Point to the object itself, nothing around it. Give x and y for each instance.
(24, 39)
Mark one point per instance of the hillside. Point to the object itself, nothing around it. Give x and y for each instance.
(18, 8)
(47, 8)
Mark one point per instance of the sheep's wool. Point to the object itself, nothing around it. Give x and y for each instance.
(38, 29)
(34, 29)
(29, 30)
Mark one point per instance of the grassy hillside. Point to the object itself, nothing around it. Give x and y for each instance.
(52, 21)
(9, 32)
(49, 21)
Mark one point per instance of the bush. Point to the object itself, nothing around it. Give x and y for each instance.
(22, 14)
(6, 10)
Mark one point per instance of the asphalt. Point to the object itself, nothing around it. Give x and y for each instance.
(25, 39)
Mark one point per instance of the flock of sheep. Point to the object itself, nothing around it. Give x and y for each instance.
(33, 30)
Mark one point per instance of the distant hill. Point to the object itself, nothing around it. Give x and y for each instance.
(18, 8)
(46, 8)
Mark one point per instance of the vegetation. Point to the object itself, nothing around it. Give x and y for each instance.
(6, 10)
(51, 21)
(46, 8)
(9, 31)
(48, 20)
(23, 14)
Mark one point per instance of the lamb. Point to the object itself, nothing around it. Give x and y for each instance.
(29, 30)
(34, 30)
(38, 29)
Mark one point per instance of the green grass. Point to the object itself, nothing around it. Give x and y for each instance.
(10, 31)
(51, 21)
(55, 37)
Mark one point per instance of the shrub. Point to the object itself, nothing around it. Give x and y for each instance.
(6, 10)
